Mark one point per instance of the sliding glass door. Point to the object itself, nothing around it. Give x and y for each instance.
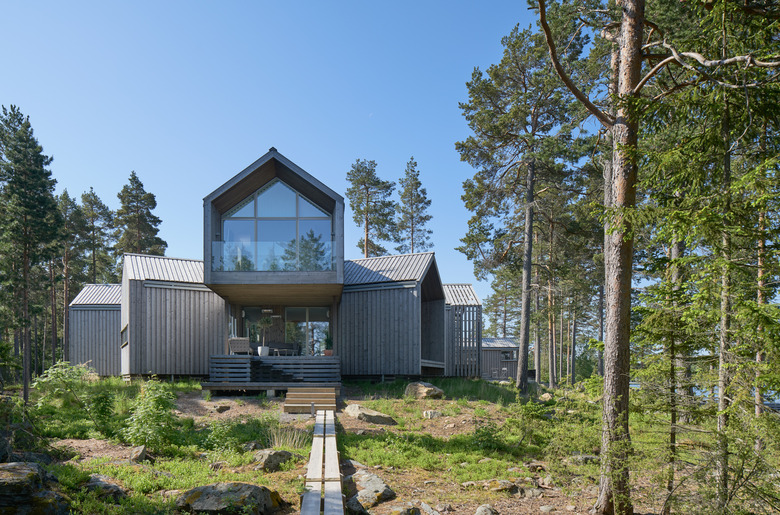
(307, 328)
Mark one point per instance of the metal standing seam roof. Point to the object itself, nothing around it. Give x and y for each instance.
(387, 269)
(98, 295)
(140, 267)
(499, 343)
(460, 295)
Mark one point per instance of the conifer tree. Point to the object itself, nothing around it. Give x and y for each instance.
(72, 248)
(29, 220)
(137, 225)
(99, 238)
(372, 207)
(413, 235)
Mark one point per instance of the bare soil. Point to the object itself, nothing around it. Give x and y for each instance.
(413, 486)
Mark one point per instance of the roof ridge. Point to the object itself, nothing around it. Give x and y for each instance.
(393, 256)
(162, 257)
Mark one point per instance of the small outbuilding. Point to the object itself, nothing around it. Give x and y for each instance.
(499, 358)
(171, 322)
(94, 328)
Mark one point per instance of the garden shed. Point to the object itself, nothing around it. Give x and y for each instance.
(94, 328)
(499, 358)
(171, 322)
(391, 317)
(463, 331)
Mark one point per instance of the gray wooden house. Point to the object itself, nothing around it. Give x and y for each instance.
(499, 358)
(94, 328)
(275, 283)
(171, 322)
(392, 317)
(463, 331)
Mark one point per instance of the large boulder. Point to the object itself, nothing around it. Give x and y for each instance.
(368, 415)
(421, 390)
(105, 487)
(270, 460)
(23, 490)
(225, 498)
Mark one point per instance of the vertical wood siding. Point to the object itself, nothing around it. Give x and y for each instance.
(174, 330)
(94, 338)
(464, 341)
(379, 332)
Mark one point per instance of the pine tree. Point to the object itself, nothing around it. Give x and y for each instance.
(72, 252)
(99, 220)
(413, 235)
(372, 208)
(29, 220)
(135, 222)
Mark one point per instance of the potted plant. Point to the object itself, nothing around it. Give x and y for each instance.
(264, 323)
(328, 344)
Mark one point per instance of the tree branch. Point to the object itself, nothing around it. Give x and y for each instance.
(603, 117)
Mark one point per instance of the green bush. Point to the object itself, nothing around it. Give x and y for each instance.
(152, 421)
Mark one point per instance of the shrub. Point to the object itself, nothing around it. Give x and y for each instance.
(152, 421)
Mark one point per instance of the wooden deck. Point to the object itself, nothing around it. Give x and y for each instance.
(231, 372)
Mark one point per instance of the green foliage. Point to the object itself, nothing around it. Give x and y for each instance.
(152, 422)
(372, 208)
(411, 231)
(137, 225)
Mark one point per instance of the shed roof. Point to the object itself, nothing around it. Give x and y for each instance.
(460, 295)
(98, 295)
(499, 343)
(387, 269)
(140, 267)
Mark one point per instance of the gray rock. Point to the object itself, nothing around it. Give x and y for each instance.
(138, 454)
(421, 390)
(535, 466)
(469, 484)
(547, 509)
(431, 414)
(443, 507)
(570, 507)
(22, 489)
(222, 408)
(425, 508)
(485, 460)
(228, 498)
(270, 460)
(546, 397)
(105, 487)
(404, 510)
(251, 446)
(486, 509)
(582, 458)
(353, 463)
(353, 507)
(533, 493)
(500, 485)
(368, 415)
(371, 489)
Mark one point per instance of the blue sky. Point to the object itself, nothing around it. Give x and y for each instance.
(188, 94)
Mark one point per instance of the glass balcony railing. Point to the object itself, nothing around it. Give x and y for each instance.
(272, 256)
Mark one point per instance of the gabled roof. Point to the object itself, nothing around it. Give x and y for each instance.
(499, 343)
(140, 267)
(387, 269)
(271, 165)
(99, 295)
(460, 295)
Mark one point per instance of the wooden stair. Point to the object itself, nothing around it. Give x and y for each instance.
(300, 400)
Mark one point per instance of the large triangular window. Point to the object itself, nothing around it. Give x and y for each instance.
(275, 229)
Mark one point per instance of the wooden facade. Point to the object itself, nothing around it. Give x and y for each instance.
(94, 328)
(464, 331)
(391, 317)
(499, 358)
(171, 323)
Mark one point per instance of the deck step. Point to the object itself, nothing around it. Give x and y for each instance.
(299, 400)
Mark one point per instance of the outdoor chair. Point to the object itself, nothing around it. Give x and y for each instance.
(239, 346)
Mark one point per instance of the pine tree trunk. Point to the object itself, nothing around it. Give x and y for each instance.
(65, 306)
(760, 302)
(600, 357)
(538, 330)
(573, 345)
(615, 490)
(551, 333)
(25, 326)
(722, 460)
(525, 298)
(562, 376)
(53, 299)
